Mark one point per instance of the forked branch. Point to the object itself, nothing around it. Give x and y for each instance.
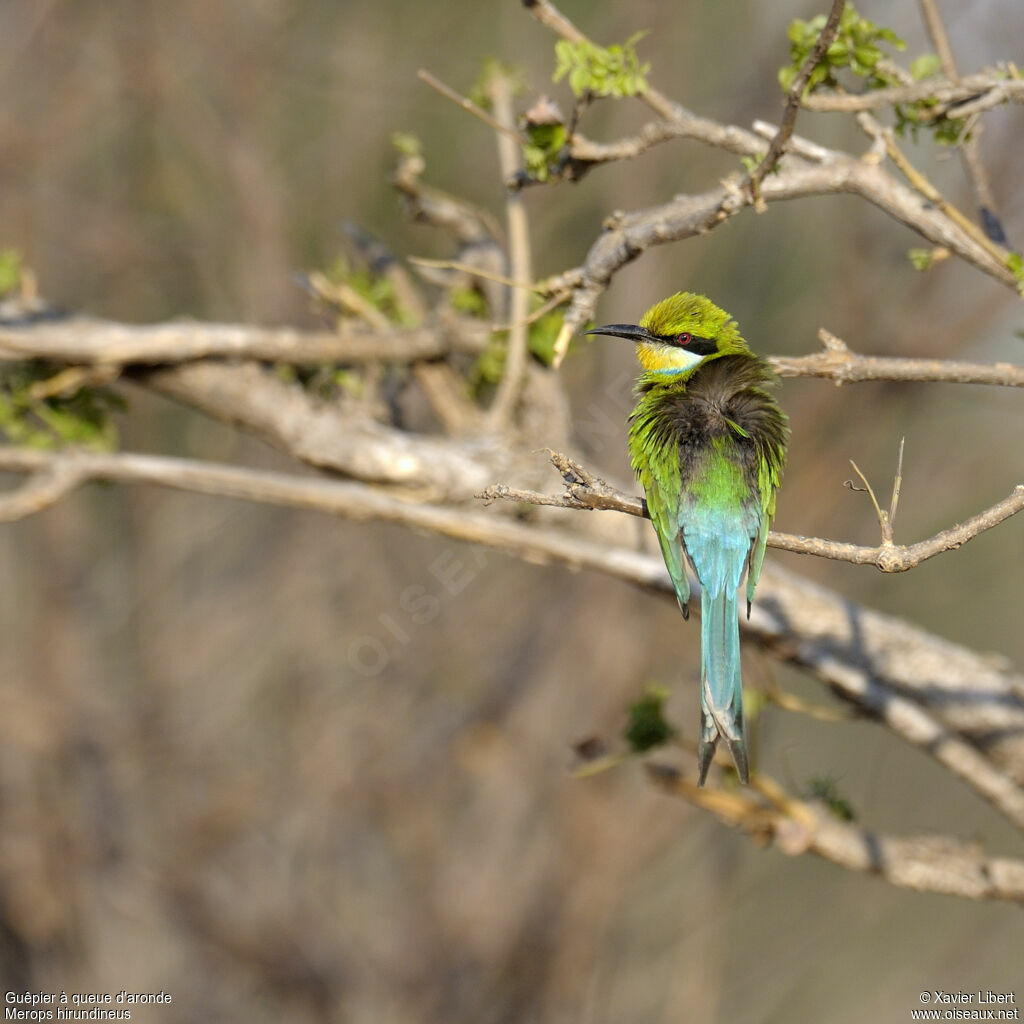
(583, 490)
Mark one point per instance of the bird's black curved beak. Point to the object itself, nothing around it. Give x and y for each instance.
(631, 332)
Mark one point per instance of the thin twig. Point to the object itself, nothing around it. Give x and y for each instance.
(467, 268)
(883, 523)
(520, 264)
(897, 483)
(791, 702)
(72, 379)
(796, 91)
(595, 494)
(466, 104)
(885, 518)
(539, 313)
(343, 296)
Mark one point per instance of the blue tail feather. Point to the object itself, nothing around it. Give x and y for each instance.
(721, 692)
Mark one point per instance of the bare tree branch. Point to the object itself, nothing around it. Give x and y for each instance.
(585, 491)
(50, 480)
(730, 138)
(83, 342)
(983, 91)
(632, 234)
(468, 223)
(90, 342)
(329, 436)
(837, 362)
(924, 863)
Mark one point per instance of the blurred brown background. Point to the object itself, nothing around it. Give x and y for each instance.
(235, 766)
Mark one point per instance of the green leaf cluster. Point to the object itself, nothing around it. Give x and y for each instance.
(921, 259)
(647, 726)
(467, 300)
(83, 417)
(543, 148)
(602, 71)
(542, 336)
(10, 271)
(540, 341)
(487, 367)
(857, 46)
(925, 66)
(912, 117)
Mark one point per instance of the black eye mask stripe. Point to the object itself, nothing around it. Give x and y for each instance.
(698, 346)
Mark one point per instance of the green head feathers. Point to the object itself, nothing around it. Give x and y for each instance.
(679, 333)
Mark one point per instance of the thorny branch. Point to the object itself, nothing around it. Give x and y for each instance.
(583, 490)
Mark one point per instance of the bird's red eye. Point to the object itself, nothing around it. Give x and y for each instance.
(683, 339)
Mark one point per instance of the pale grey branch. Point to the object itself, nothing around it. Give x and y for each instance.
(85, 341)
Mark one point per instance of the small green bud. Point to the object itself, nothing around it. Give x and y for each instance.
(603, 71)
(647, 726)
(920, 258)
(925, 66)
(406, 144)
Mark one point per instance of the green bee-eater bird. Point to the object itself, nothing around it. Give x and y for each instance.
(707, 441)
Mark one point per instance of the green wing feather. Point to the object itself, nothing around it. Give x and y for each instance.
(664, 513)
